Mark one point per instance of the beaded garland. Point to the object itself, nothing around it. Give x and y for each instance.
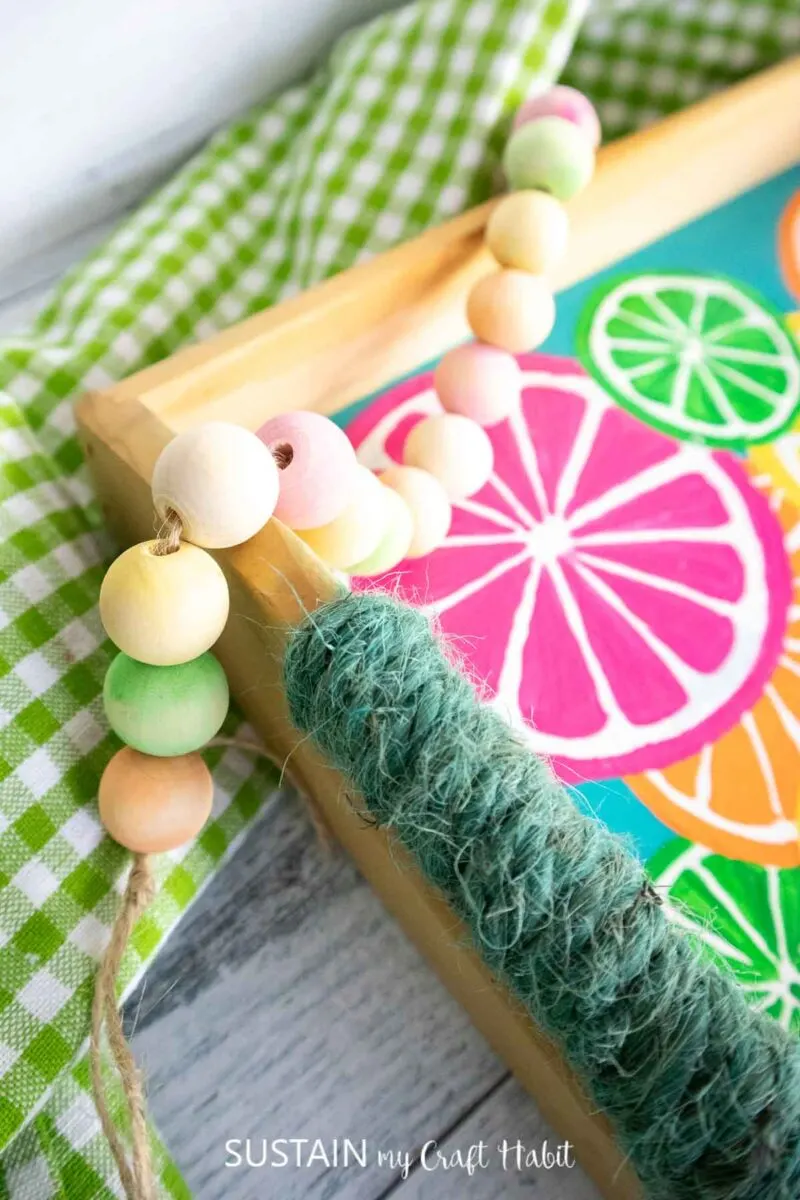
(165, 602)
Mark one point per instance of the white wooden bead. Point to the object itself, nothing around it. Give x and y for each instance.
(454, 449)
(220, 479)
(164, 609)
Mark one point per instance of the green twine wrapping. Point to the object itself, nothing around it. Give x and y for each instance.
(704, 1093)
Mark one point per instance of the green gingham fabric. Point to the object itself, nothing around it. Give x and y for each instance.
(403, 129)
(642, 59)
(62, 1151)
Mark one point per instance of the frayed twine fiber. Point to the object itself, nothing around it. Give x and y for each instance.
(703, 1091)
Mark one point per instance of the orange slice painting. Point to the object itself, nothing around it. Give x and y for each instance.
(739, 795)
(789, 245)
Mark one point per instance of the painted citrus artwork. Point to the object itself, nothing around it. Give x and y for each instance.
(621, 594)
(781, 459)
(700, 357)
(746, 917)
(738, 795)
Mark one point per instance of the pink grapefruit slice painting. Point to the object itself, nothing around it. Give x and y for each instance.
(621, 595)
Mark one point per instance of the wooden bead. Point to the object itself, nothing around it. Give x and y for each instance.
(317, 474)
(428, 503)
(165, 710)
(150, 805)
(164, 609)
(528, 230)
(512, 310)
(358, 529)
(220, 480)
(480, 382)
(566, 102)
(549, 154)
(393, 546)
(454, 449)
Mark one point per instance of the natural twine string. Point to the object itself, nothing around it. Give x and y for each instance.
(138, 1178)
(137, 1174)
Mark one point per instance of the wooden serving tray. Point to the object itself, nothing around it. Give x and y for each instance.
(343, 340)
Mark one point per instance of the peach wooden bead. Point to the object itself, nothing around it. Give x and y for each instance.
(512, 310)
(454, 449)
(393, 546)
(164, 609)
(356, 532)
(429, 505)
(220, 480)
(528, 230)
(480, 382)
(317, 473)
(150, 804)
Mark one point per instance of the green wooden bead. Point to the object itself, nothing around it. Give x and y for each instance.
(165, 710)
(550, 154)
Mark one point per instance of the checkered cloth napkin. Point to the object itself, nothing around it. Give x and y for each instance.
(402, 130)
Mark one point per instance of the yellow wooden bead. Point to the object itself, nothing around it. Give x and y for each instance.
(393, 546)
(150, 805)
(220, 479)
(164, 609)
(528, 230)
(511, 309)
(429, 505)
(454, 450)
(358, 529)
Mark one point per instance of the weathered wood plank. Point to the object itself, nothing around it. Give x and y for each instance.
(290, 1005)
(490, 1135)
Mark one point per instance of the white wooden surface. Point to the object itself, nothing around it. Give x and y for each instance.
(289, 1005)
(100, 101)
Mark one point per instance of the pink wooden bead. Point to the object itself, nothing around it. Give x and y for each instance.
(480, 382)
(318, 472)
(566, 102)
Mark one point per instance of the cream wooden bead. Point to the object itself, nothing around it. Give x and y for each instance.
(393, 546)
(429, 505)
(164, 609)
(453, 449)
(220, 480)
(356, 532)
(150, 805)
(511, 309)
(528, 230)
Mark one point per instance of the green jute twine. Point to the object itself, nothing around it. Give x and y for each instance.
(703, 1091)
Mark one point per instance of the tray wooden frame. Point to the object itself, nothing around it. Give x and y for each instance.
(344, 339)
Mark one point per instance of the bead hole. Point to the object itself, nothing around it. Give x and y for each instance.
(283, 454)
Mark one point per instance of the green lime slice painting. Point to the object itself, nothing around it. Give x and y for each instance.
(747, 917)
(700, 357)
